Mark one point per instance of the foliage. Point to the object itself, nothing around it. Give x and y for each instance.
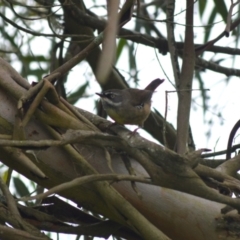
(59, 41)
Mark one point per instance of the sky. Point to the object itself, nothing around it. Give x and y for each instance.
(224, 96)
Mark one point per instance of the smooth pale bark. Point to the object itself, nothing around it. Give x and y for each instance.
(179, 215)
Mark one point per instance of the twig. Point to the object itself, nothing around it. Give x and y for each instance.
(229, 27)
(83, 180)
(229, 18)
(166, 108)
(171, 40)
(10, 200)
(200, 62)
(232, 149)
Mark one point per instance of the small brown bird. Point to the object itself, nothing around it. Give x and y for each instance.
(129, 106)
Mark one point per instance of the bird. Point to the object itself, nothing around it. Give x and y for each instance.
(129, 106)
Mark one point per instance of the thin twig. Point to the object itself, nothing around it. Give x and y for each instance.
(84, 180)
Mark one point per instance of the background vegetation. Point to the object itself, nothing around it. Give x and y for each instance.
(126, 188)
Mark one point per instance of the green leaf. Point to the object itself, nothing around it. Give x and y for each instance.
(202, 6)
(203, 92)
(20, 187)
(73, 97)
(132, 62)
(210, 21)
(121, 44)
(221, 9)
(34, 58)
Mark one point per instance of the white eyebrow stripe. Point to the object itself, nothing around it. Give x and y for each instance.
(111, 102)
(114, 93)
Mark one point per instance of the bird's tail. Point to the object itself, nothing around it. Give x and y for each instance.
(154, 84)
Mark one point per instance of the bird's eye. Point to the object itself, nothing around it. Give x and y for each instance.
(140, 106)
(111, 96)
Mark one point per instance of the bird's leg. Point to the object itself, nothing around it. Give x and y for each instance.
(135, 130)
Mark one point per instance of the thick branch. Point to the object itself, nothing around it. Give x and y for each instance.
(184, 96)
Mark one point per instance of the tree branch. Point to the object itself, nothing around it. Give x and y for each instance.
(184, 97)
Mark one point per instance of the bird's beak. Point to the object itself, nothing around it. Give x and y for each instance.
(99, 94)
